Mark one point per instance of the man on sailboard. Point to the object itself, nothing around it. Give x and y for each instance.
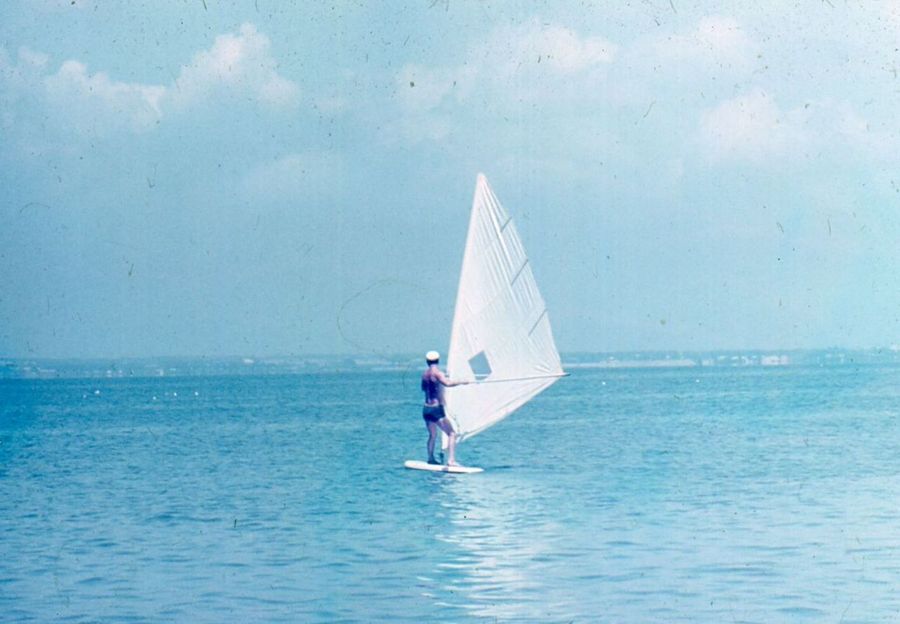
(433, 382)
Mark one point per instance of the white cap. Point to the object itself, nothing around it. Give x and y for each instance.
(432, 356)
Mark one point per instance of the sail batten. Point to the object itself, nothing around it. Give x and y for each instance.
(533, 327)
(519, 272)
(498, 319)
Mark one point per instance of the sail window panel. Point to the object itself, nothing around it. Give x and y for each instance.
(480, 365)
(503, 362)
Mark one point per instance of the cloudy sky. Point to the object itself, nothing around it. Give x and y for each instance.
(195, 177)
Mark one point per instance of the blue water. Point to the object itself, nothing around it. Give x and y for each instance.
(670, 495)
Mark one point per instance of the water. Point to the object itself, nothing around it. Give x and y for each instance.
(675, 495)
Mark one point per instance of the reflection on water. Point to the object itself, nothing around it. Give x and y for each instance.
(495, 524)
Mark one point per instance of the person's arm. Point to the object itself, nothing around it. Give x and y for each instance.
(445, 381)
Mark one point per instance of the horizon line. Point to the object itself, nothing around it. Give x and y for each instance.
(408, 354)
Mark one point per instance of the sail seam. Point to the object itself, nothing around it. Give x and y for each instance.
(491, 210)
(494, 209)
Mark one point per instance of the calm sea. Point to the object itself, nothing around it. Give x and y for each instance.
(655, 495)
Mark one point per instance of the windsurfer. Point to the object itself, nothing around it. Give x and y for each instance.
(433, 382)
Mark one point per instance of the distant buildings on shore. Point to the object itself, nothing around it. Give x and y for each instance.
(11, 368)
(671, 361)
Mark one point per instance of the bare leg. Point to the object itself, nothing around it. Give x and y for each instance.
(432, 435)
(447, 428)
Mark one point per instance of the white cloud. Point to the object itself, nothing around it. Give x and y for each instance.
(753, 128)
(32, 59)
(750, 127)
(236, 63)
(545, 58)
(513, 71)
(510, 49)
(713, 54)
(97, 100)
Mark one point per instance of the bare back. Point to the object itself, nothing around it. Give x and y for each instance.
(433, 382)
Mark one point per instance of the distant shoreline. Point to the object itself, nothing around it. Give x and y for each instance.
(92, 368)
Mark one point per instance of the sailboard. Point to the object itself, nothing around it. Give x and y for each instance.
(501, 341)
(420, 465)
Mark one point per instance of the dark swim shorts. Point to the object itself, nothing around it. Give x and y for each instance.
(433, 413)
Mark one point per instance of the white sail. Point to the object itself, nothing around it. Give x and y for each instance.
(501, 334)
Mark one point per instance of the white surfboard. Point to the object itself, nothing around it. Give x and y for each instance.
(420, 465)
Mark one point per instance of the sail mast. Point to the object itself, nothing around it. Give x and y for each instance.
(470, 234)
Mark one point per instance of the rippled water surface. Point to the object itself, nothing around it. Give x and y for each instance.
(678, 495)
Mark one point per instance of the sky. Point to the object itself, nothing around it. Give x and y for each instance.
(261, 178)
